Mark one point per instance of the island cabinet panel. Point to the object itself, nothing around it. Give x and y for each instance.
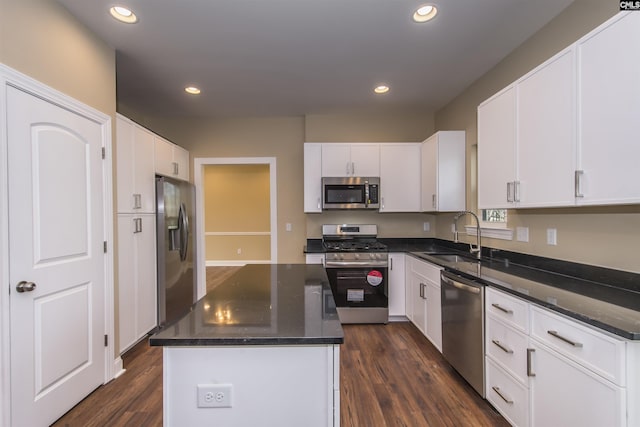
(270, 385)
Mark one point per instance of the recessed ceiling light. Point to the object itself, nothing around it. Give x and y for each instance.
(123, 14)
(381, 89)
(425, 13)
(192, 90)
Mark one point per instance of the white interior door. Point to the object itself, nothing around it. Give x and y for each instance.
(56, 243)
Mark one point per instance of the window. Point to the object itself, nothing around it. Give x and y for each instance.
(494, 216)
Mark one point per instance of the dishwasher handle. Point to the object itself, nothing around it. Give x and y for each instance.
(462, 286)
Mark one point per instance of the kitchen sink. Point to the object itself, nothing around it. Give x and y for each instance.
(453, 258)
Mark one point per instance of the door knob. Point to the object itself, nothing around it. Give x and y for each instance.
(25, 286)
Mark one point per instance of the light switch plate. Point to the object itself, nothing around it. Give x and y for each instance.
(426, 226)
(522, 234)
(552, 236)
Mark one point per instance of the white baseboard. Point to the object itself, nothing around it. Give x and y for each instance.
(118, 367)
(398, 319)
(242, 263)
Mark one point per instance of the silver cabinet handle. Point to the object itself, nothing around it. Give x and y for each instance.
(390, 263)
(353, 168)
(137, 201)
(319, 207)
(499, 393)
(530, 351)
(433, 201)
(516, 191)
(175, 168)
(137, 225)
(382, 203)
(578, 183)
(348, 168)
(25, 286)
(421, 290)
(509, 197)
(502, 347)
(567, 340)
(501, 308)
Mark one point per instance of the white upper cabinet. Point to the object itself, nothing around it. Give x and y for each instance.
(134, 167)
(497, 150)
(566, 133)
(312, 177)
(357, 159)
(526, 139)
(443, 172)
(171, 160)
(545, 141)
(400, 177)
(609, 113)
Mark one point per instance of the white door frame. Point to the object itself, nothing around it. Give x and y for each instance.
(10, 77)
(198, 173)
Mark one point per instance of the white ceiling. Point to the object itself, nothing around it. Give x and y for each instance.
(295, 57)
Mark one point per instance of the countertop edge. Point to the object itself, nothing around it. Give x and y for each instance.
(213, 342)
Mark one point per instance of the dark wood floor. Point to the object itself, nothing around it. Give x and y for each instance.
(390, 375)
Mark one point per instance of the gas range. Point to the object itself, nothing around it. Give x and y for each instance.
(357, 268)
(353, 245)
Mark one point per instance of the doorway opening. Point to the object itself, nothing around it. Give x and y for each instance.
(236, 220)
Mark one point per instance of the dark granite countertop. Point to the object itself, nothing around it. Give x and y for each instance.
(611, 308)
(606, 298)
(261, 304)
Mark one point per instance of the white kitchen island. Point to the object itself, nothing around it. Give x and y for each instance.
(263, 348)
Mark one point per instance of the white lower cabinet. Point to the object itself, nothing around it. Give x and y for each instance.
(314, 259)
(543, 369)
(396, 285)
(137, 288)
(423, 299)
(564, 393)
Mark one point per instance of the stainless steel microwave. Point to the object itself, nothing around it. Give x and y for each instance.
(350, 193)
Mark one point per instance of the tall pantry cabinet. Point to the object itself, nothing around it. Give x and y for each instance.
(137, 292)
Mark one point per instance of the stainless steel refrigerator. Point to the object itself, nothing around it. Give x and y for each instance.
(175, 209)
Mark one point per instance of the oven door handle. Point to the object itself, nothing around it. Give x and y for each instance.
(347, 264)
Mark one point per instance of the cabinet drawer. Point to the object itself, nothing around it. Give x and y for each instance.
(510, 310)
(507, 395)
(594, 350)
(425, 269)
(508, 347)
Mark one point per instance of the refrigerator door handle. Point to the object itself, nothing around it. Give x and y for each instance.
(183, 224)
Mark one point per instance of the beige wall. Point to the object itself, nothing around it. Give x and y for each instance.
(237, 199)
(605, 236)
(41, 39)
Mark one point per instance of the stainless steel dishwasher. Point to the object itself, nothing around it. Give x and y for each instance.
(463, 327)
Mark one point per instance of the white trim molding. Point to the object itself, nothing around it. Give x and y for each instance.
(491, 233)
(198, 167)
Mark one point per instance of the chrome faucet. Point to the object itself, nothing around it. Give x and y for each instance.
(477, 249)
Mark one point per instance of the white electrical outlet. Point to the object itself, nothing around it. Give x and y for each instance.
(552, 236)
(239, 251)
(522, 234)
(288, 226)
(215, 395)
(426, 226)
